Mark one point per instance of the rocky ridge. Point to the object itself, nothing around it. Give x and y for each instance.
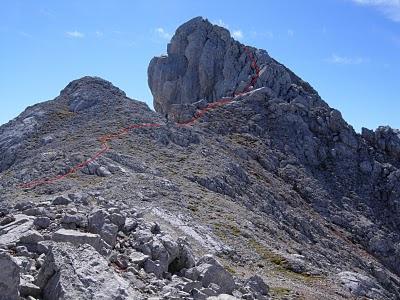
(272, 195)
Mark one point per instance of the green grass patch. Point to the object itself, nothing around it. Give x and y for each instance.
(267, 254)
(280, 262)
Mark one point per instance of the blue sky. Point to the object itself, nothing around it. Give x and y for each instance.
(349, 50)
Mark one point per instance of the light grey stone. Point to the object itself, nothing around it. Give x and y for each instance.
(109, 233)
(96, 220)
(138, 258)
(223, 297)
(35, 211)
(12, 232)
(71, 272)
(118, 220)
(257, 284)
(73, 220)
(9, 277)
(78, 238)
(130, 225)
(211, 271)
(361, 285)
(102, 171)
(154, 267)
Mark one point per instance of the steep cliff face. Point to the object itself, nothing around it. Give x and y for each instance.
(204, 62)
(272, 182)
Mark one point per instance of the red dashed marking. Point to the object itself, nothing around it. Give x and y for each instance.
(108, 138)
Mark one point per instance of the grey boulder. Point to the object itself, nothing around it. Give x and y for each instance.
(9, 277)
(12, 232)
(361, 285)
(209, 271)
(42, 222)
(61, 200)
(71, 272)
(78, 238)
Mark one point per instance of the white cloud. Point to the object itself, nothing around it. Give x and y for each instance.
(75, 34)
(162, 33)
(99, 33)
(220, 23)
(343, 60)
(290, 32)
(390, 8)
(265, 34)
(237, 34)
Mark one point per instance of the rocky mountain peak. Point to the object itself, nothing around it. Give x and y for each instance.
(88, 91)
(195, 26)
(204, 63)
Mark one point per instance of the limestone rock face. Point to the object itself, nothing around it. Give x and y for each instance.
(385, 139)
(361, 285)
(204, 62)
(71, 272)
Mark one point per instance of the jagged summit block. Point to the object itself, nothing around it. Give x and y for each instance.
(204, 62)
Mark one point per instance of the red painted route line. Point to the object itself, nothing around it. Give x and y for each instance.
(108, 138)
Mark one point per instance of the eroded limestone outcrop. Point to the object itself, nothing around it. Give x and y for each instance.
(204, 63)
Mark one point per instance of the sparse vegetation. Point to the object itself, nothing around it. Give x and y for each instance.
(280, 262)
(222, 229)
(267, 254)
(230, 269)
(193, 207)
(279, 291)
(63, 114)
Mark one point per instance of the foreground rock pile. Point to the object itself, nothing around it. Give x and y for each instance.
(61, 250)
